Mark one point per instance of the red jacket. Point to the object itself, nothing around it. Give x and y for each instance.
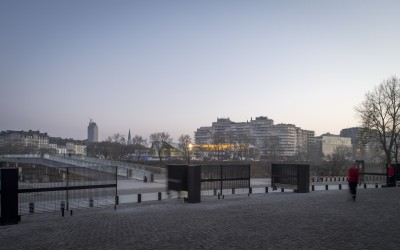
(391, 171)
(352, 174)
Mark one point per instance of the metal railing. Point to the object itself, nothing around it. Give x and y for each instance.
(128, 170)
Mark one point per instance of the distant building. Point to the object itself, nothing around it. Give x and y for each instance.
(329, 143)
(29, 139)
(356, 135)
(68, 146)
(93, 132)
(282, 140)
(36, 142)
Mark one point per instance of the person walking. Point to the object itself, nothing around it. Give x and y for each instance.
(352, 177)
(391, 176)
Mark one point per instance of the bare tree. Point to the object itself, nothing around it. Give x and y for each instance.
(185, 145)
(337, 162)
(219, 142)
(159, 141)
(380, 115)
(139, 140)
(243, 147)
(139, 146)
(117, 138)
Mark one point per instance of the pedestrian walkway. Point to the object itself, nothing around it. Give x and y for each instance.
(315, 220)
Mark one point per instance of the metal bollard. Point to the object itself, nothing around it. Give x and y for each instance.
(117, 200)
(139, 198)
(159, 196)
(365, 185)
(266, 189)
(326, 187)
(31, 207)
(312, 187)
(233, 190)
(340, 186)
(282, 190)
(91, 202)
(62, 208)
(376, 185)
(250, 190)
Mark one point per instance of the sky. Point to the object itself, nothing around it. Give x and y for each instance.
(174, 66)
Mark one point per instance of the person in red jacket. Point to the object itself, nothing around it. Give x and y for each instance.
(391, 175)
(352, 177)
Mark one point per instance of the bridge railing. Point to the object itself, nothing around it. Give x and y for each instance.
(127, 170)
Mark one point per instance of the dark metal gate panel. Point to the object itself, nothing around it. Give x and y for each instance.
(177, 177)
(185, 178)
(296, 176)
(220, 177)
(373, 173)
(9, 196)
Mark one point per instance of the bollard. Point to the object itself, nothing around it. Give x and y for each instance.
(266, 189)
(326, 187)
(365, 185)
(282, 190)
(70, 212)
(376, 185)
(340, 186)
(139, 198)
(31, 207)
(218, 196)
(215, 192)
(117, 200)
(62, 208)
(159, 196)
(312, 187)
(233, 190)
(223, 196)
(250, 190)
(91, 202)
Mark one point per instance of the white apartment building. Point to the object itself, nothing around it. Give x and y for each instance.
(329, 143)
(283, 140)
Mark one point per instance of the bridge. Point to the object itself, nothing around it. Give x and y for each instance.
(128, 170)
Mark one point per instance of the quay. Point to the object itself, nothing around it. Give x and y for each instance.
(315, 220)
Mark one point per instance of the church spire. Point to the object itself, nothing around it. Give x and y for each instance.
(129, 137)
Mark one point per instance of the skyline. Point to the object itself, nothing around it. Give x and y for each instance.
(175, 66)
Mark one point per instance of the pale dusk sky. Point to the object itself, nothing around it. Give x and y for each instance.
(174, 66)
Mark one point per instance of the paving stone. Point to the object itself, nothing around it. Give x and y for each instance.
(316, 220)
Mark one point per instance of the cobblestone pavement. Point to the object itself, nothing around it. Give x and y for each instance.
(316, 220)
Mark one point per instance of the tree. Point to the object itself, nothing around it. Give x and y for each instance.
(270, 146)
(139, 146)
(243, 147)
(117, 138)
(185, 145)
(159, 141)
(380, 116)
(337, 162)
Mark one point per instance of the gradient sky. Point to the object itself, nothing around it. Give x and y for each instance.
(174, 66)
